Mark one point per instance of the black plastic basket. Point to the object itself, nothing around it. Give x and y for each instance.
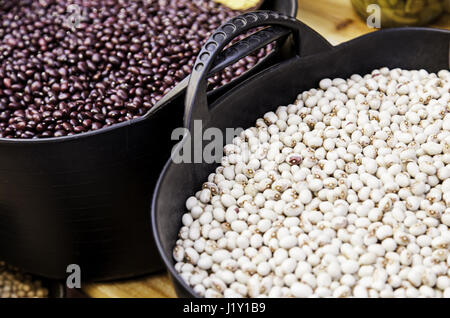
(313, 59)
(85, 199)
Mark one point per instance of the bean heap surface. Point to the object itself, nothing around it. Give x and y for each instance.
(345, 192)
(15, 284)
(68, 67)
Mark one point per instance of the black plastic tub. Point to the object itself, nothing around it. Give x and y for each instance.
(84, 199)
(314, 59)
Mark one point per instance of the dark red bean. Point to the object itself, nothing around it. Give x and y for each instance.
(96, 58)
(67, 126)
(7, 82)
(60, 133)
(96, 126)
(78, 129)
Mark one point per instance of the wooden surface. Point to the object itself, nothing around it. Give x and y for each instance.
(153, 286)
(337, 22)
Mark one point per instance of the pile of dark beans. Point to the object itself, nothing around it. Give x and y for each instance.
(15, 284)
(65, 72)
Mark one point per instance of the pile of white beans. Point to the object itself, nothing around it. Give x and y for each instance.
(344, 193)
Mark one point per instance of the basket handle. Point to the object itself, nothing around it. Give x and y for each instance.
(213, 58)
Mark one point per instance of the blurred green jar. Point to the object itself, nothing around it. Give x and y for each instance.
(402, 12)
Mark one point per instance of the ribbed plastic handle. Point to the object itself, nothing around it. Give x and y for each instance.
(212, 57)
(244, 47)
